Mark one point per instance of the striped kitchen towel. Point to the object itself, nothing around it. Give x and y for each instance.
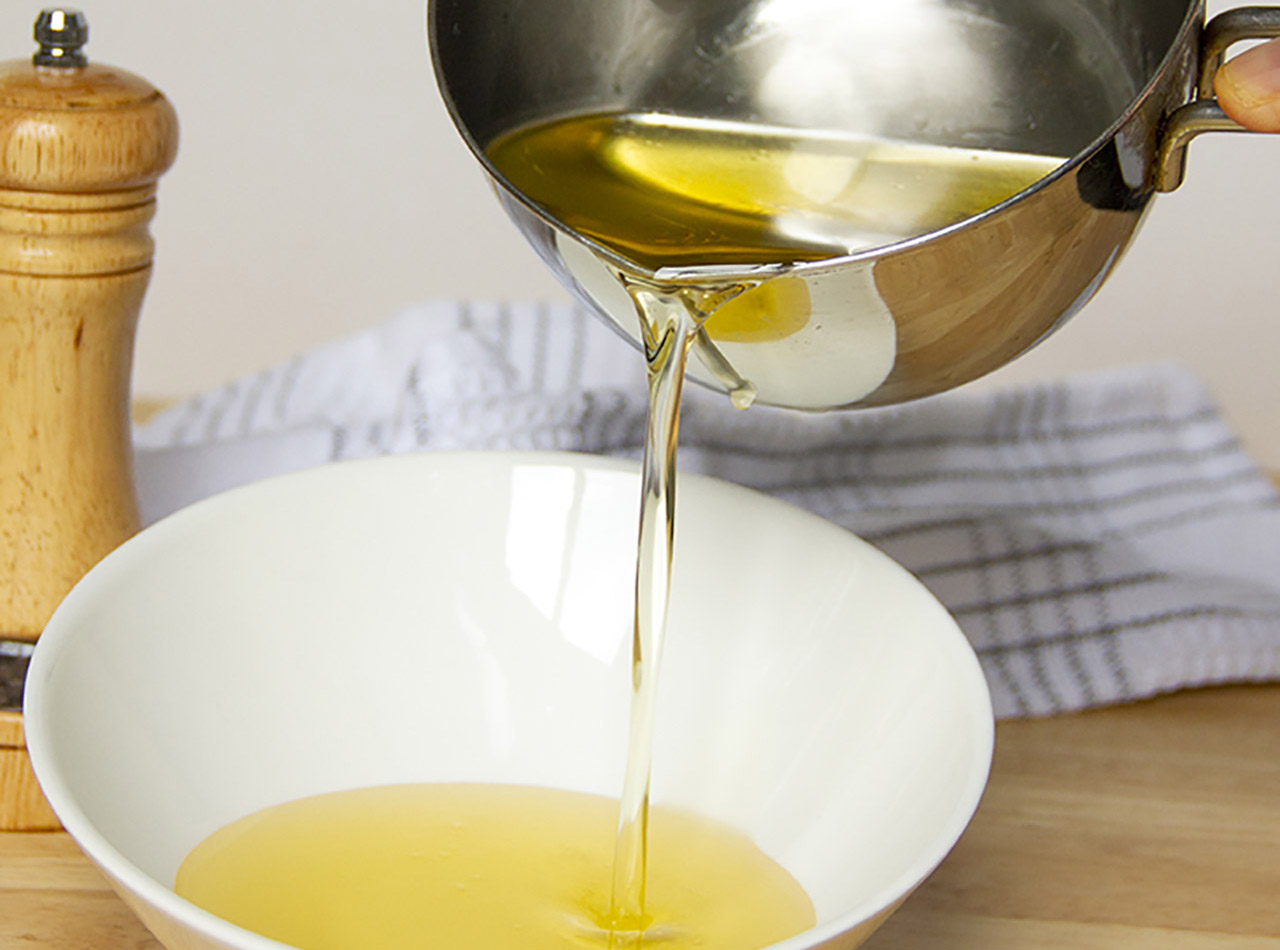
(1099, 539)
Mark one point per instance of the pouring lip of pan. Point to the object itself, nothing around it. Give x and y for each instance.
(1190, 24)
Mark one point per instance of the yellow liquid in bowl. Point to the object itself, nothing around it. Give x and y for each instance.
(483, 867)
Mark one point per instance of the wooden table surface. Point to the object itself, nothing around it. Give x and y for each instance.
(1154, 825)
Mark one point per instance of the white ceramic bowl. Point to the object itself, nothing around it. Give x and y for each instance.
(466, 617)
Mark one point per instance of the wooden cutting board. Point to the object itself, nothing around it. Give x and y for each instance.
(1153, 826)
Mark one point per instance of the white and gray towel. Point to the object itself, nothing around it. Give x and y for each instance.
(1099, 539)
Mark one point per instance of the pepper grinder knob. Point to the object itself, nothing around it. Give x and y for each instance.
(62, 34)
(82, 146)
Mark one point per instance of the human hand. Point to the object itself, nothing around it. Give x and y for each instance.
(1248, 87)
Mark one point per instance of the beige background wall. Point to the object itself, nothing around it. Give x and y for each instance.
(320, 186)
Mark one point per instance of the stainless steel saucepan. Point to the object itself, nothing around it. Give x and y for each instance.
(1117, 88)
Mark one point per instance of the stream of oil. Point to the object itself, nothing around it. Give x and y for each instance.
(670, 319)
(678, 196)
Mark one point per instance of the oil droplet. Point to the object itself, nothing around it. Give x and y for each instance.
(743, 397)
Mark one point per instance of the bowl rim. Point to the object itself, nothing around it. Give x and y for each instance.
(163, 899)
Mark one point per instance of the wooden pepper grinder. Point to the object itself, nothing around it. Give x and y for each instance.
(81, 149)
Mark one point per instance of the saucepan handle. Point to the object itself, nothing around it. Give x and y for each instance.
(1203, 113)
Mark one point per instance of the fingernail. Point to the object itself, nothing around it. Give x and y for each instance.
(1254, 75)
